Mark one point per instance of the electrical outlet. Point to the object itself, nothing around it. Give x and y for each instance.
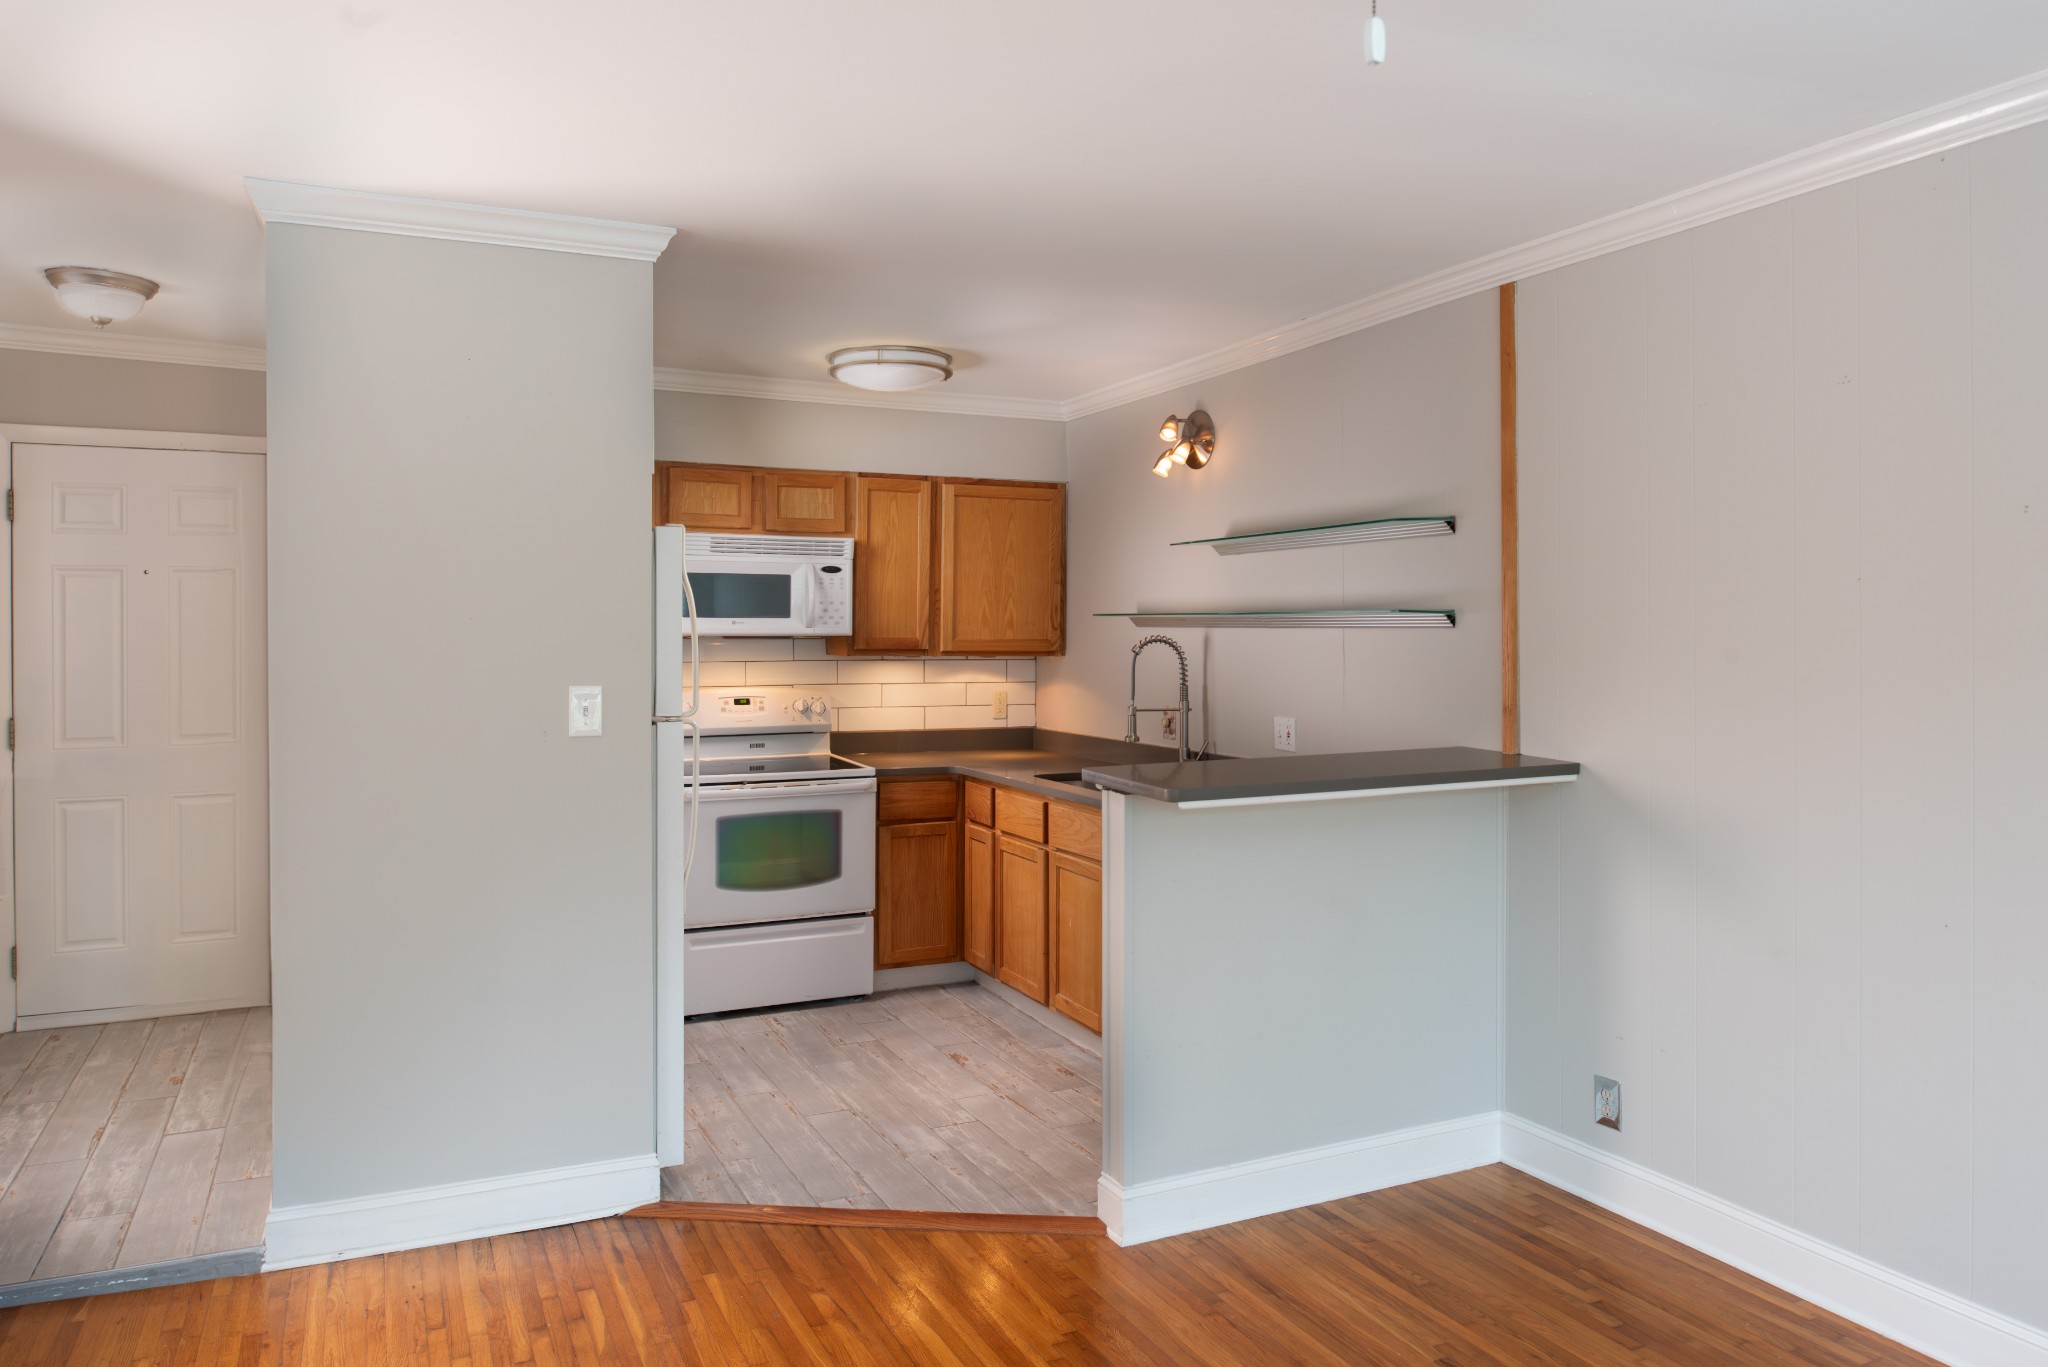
(999, 704)
(1283, 733)
(1606, 1102)
(1169, 726)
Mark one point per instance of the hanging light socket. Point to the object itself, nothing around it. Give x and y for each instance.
(100, 297)
(1191, 441)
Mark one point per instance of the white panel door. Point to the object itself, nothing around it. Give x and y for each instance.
(142, 834)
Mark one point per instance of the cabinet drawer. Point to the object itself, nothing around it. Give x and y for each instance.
(1077, 830)
(981, 803)
(917, 799)
(1021, 815)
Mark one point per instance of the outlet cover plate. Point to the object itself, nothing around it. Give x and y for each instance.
(1606, 1102)
(1283, 733)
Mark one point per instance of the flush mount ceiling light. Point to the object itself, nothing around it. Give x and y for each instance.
(100, 297)
(890, 368)
(1190, 441)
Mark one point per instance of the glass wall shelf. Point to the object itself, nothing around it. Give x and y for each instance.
(1335, 534)
(1296, 617)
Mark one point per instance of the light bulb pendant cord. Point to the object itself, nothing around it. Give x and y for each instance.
(1375, 37)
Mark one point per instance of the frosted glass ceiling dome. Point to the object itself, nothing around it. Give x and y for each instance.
(890, 368)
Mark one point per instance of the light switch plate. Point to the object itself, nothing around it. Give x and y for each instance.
(586, 710)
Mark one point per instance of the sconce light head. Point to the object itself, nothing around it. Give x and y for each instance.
(1191, 441)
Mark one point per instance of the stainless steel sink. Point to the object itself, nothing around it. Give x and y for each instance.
(1073, 778)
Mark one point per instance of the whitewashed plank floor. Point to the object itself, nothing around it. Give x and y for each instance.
(132, 1143)
(931, 1098)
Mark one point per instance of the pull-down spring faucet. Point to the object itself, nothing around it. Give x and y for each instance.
(1131, 712)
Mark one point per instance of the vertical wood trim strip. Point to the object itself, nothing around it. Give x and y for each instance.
(1510, 537)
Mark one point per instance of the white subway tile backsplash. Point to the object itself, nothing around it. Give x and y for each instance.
(792, 672)
(941, 718)
(855, 695)
(963, 671)
(881, 671)
(880, 719)
(924, 694)
(879, 694)
(748, 648)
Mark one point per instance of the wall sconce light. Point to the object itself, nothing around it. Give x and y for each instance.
(100, 297)
(1190, 441)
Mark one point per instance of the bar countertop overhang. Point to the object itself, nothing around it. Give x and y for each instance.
(1311, 778)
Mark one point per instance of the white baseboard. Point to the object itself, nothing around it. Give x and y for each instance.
(65, 1020)
(1920, 1316)
(1241, 1191)
(324, 1231)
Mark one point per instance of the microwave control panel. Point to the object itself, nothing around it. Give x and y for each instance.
(835, 600)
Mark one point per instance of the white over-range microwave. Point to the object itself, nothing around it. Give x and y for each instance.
(748, 585)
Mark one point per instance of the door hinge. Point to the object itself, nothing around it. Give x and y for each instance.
(10, 733)
(13, 962)
(10, 505)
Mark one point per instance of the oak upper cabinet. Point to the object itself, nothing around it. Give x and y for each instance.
(806, 503)
(892, 563)
(978, 898)
(1075, 955)
(1020, 915)
(1002, 568)
(708, 498)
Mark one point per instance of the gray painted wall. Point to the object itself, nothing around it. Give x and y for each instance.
(717, 429)
(463, 897)
(1398, 420)
(1303, 974)
(55, 390)
(1785, 593)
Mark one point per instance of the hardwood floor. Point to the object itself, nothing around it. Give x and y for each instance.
(1480, 1268)
(133, 1143)
(935, 1098)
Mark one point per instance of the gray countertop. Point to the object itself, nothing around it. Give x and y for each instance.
(1276, 778)
(1011, 768)
(1302, 778)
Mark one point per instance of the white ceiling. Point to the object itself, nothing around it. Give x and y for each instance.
(1066, 193)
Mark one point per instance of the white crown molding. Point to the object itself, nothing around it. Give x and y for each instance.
(2000, 109)
(831, 391)
(317, 206)
(122, 346)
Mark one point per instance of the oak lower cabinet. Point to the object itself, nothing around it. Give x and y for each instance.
(1074, 956)
(917, 873)
(1021, 927)
(978, 897)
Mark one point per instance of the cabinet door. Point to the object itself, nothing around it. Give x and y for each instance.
(1002, 568)
(707, 498)
(1020, 916)
(979, 899)
(806, 502)
(1076, 951)
(917, 894)
(892, 564)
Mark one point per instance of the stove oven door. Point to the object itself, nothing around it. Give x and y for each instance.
(770, 851)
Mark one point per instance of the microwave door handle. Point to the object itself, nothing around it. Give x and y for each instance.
(807, 575)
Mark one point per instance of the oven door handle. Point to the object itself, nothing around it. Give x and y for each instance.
(740, 792)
